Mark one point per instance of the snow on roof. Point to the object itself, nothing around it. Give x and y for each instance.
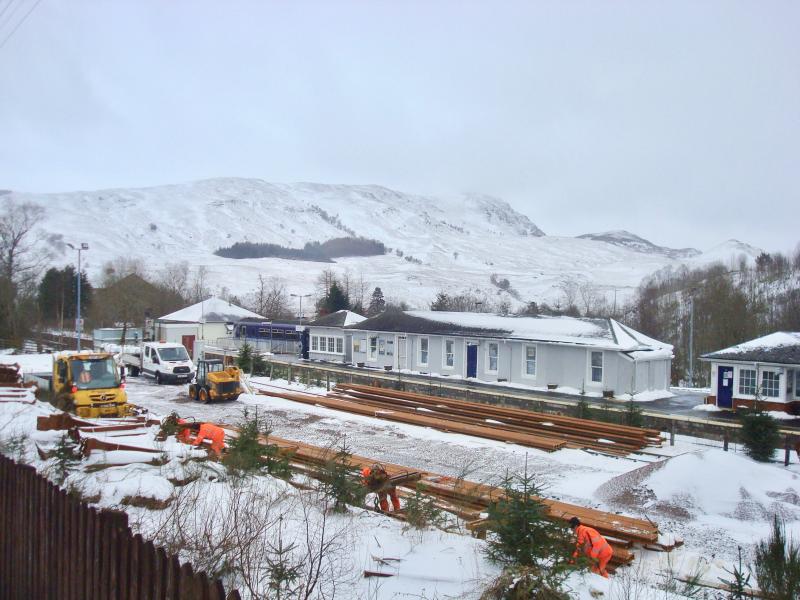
(340, 318)
(212, 310)
(604, 333)
(778, 347)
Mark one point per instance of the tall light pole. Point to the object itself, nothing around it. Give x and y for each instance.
(300, 296)
(691, 340)
(78, 324)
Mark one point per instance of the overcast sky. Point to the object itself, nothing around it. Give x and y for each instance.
(679, 121)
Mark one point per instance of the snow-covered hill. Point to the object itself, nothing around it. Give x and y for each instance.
(626, 239)
(452, 243)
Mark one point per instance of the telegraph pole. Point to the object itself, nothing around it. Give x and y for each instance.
(78, 322)
(691, 341)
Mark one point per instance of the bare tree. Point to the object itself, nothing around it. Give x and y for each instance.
(175, 278)
(20, 261)
(198, 289)
(119, 268)
(270, 298)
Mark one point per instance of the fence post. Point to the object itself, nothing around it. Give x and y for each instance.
(786, 451)
(725, 441)
(672, 433)
(290, 374)
(328, 380)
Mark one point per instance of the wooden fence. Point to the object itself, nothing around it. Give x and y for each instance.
(54, 546)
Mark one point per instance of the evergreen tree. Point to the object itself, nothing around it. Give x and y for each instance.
(334, 300)
(523, 533)
(777, 565)
(245, 358)
(442, 302)
(57, 294)
(760, 435)
(247, 453)
(339, 482)
(377, 303)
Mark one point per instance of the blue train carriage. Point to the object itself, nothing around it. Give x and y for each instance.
(279, 337)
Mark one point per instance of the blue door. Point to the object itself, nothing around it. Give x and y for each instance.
(725, 387)
(472, 360)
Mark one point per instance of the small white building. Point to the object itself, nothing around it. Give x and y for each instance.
(327, 338)
(206, 322)
(767, 368)
(593, 355)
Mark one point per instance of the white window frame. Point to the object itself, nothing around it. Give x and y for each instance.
(339, 345)
(797, 383)
(777, 375)
(372, 351)
(525, 360)
(489, 357)
(323, 344)
(452, 354)
(739, 390)
(602, 367)
(314, 343)
(420, 362)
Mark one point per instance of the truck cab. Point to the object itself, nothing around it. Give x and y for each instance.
(166, 363)
(89, 384)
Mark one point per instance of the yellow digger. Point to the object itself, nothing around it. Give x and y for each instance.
(215, 382)
(89, 385)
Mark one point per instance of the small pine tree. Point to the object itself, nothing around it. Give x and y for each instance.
(523, 534)
(633, 414)
(247, 454)
(282, 568)
(421, 511)
(760, 435)
(245, 358)
(582, 410)
(259, 364)
(66, 455)
(739, 584)
(777, 565)
(338, 480)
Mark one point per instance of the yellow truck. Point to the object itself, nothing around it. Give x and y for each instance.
(89, 385)
(215, 382)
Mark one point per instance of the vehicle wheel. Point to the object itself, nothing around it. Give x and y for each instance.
(135, 371)
(192, 392)
(158, 378)
(202, 395)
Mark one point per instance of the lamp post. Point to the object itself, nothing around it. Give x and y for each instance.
(300, 297)
(78, 324)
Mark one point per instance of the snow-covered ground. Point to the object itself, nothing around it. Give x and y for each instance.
(713, 500)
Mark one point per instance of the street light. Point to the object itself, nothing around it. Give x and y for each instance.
(300, 296)
(78, 323)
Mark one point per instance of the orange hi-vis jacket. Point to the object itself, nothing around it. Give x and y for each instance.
(211, 432)
(591, 542)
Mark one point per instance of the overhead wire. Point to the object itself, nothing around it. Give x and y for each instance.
(19, 23)
(5, 8)
(10, 16)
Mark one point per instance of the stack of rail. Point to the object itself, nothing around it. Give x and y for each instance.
(12, 389)
(469, 500)
(574, 432)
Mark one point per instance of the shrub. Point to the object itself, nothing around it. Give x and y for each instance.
(245, 358)
(246, 453)
(524, 536)
(421, 511)
(66, 455)
(759, 435)
(777, 565)
(633, 414)
(338, 481)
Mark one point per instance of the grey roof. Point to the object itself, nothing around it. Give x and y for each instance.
(782, 347)
(396, 321)
(336, 319)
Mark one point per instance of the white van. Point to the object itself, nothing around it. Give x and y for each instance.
(164, 362)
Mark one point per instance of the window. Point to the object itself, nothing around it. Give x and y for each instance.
(323, 344)
(449, 353)
(373, 348)
(597, 367)
(797, 383)
(770, 384)
(314, 343)
(423, 351)
(747, 382)
(530, 361)
(331, 344)
(491, 354)
(339, 346)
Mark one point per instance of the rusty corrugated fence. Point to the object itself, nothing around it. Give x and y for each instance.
(55, 546)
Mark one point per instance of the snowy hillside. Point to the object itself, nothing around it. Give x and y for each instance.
(626, 239)
(451, 243)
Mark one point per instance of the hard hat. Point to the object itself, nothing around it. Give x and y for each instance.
(365, 471)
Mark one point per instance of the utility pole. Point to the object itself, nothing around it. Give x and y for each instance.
(78, 322)
(300, 296)
(691, 341)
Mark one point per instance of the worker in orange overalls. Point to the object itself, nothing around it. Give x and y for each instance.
(377, 480)
(593, 545)
(206, 431)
